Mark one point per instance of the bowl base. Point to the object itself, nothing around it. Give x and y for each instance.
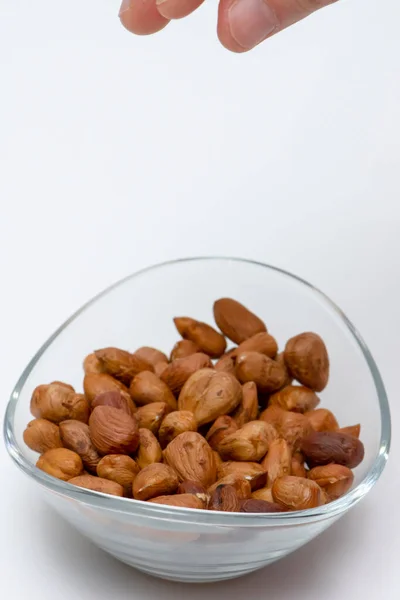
(201, 576)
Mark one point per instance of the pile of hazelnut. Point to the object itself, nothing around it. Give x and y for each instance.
(206, 428)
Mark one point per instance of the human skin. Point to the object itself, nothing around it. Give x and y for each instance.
(242, 24)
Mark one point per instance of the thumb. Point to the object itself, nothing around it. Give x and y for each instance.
(242, 24)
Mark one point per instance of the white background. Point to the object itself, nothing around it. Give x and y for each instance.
(117, 152)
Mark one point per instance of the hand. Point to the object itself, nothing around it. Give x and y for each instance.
(242, 24)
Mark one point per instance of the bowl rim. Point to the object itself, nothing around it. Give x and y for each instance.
(197, 516)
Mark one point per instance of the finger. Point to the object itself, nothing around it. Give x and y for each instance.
(243, 24)
(141, 16)
(176, 9)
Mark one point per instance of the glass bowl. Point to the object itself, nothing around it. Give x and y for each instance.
(196, 545)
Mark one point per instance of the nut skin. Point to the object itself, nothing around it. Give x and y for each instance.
(98, 484)
(272, 415)
(321, 419)
(260, 506)
(191, 487)
(61, 463)
(192, 458)
(280, 359)
(151, 355)
(149, 450)
(226, 364)
(307, 359)
(180, 501)
(252, 471)
(175, 423)
(119, 468)
(235, 321)
(324, 447)
(248, 408)
(58, 402)
(75, 436)
(296, 493)
(325, 499)
(209, 340)
(353, 430)
(262, 342)
(298, 468)
(209, 394)
(97, 383)
(184, 348)
(113, 431)
(292, 427)
(335, 480)
(266, 373)
(41, 435)
(153, 481)
(222, 427)
(224, 498)
(250, 443)
(152, 415)
(296, 398)
(178, 372)
(240, 484)
(217, 458)
(121, 364)
(278, 461)
(91, 364)
(263, 494)
(159, 368)
(116, 399)
(146, 388)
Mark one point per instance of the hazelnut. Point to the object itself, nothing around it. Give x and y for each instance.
(97, 383)
(155, 480)
(119, 468)
(307, 360)
(113, 431)
(175, 423)
(224, 498)
(335, 480)
(184, 348)
(149, 450)
(41, 435)
(75, 436)
(296, 493)
(151, 355)
(146, 388)
(61, 463)
(266, 373)
(178, 372)
(209, 394)
(97, 484)
(235, 321)
(150, 416)
(117, 399)
(58, 402)
(209, 340)
(248, 408)
(121, 364)
(191, 458)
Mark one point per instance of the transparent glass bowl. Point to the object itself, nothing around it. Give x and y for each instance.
(195, 545)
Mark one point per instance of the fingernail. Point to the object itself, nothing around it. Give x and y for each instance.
(251, 21)
(126, 5)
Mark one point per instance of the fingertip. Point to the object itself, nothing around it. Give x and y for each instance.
(177, 9)
(243, 24)
(142, 18)
(223, 28)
